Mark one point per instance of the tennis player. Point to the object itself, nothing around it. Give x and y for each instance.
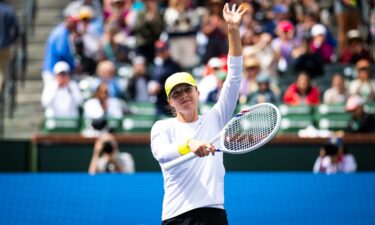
(194, 190)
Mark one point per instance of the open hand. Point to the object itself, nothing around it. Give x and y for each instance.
(234, 15)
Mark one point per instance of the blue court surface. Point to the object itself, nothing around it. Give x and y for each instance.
(251, 198)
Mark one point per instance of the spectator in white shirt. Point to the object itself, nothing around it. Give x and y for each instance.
(337, 93)
(101, 105)
(61, 98)
(328, 161)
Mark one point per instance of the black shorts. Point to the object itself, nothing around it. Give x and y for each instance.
(200, 216)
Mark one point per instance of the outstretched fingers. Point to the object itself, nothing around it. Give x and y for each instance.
(241, 10)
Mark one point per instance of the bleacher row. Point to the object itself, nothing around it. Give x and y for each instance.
(143, 116)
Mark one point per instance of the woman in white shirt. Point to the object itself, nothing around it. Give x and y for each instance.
(101, 105)
(194, 190)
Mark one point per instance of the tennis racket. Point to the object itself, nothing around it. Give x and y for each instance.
(246, 132)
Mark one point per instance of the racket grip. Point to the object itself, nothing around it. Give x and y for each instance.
(179, 160)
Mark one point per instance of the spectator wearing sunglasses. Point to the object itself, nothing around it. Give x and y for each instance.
(363, 85)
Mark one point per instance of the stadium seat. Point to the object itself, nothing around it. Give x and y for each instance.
(370, 108)
(142, 108)
(61, 125)
(137, 123)
(294, 118)
(332, 117)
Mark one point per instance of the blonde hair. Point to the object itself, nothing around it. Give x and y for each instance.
(105, 65)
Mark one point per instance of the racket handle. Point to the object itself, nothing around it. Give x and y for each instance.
(179, 160)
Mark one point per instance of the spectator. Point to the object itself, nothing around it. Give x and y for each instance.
(79, 7)
(61, 97)
(74, 7)
(59, 47)
(264, 92)
(363, 85)
(137, 85)
(213, 27)
(320, 45)
(302, 92)
(181, 25)
(117, 12)
(106, 71)
(85, 65)
(262, 50)
(213, 96)
(88, 33)
(327, 162)
(165, 66)
(361, 122)
(101, 105)
(112, 46)
(346, 161)
(307, 60)
(248, 82)
(337, 93)
(147, 29)
(283, 44)
(209, 81)
(107, 158)
(9, 31)
(355, 49)
(347, 16)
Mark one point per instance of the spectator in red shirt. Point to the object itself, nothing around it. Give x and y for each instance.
(302, 92)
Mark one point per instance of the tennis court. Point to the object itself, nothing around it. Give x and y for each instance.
(251, 198)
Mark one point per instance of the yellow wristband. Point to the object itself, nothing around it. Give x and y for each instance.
(184, 148)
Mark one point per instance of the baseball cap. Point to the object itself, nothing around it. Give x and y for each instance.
(354, 34)
(61, 67)
(318, 29)
(285, 26)
(353, 102)
(86, 12)
(215, 62)
(178, 78)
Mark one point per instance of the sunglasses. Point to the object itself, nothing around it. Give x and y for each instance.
(364, 69)
(177, 93)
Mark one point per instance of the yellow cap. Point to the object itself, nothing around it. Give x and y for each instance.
(178, 78)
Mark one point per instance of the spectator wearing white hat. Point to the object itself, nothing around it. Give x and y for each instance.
(61, 97)
(355, 48)
(361, 122)
(320, 45)
(209, 82)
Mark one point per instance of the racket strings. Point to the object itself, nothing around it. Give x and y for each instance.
(250, 129)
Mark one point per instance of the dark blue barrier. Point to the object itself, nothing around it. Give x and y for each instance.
(251, 198)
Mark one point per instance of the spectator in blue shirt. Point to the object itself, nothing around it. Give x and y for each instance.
(59, 47)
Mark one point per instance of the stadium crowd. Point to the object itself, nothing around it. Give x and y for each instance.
(120, 51)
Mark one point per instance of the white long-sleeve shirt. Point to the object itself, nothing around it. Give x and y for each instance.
(61, 101)
(200, 181)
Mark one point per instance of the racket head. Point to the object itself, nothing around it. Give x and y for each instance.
(250, 130)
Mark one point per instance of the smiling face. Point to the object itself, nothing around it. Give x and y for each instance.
(184, 99)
